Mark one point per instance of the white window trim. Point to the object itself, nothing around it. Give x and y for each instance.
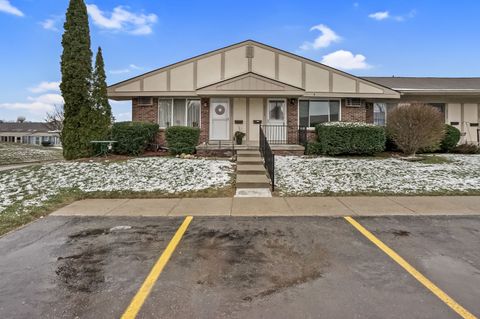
(324, 99)
(386, 112)
(285, 118)
(186, 110)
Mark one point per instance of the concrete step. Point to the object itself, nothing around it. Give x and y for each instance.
(248, 153)
(252, 181)
(253, 192)
(250, 169)
(252, 160)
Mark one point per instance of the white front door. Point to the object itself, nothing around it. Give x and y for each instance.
(220, 119)
(276, 129)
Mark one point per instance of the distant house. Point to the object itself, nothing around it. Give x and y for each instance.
(250, 85)
(28, 133)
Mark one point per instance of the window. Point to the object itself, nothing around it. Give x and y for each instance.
(193, 113)
(276, 110)
(144, 100)
(313, 112)
(178, 112)
(379, 113)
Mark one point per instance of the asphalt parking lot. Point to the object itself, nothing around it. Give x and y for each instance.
(240, 267)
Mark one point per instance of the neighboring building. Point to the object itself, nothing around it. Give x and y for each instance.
(243, 86)
(28, 133)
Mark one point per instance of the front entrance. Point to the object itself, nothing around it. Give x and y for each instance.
(255, 119)
(276, 129)
(220, 119)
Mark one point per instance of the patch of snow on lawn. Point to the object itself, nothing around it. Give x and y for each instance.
(325, 175)
(32, 186)
(11, 153)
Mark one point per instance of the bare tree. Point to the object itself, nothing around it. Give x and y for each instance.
(415, 126)
(21, 119)
(55, 119)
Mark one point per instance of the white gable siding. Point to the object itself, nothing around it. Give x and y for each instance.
(263, 62)
(130, 87)
(290, 70)
(209, 70)
(343, 84)
(316, 79)
(365, 88)
(157, 82)
(236, 62)
(181, 78)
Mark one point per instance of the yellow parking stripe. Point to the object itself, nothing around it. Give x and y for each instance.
(146, 288)
(464, 313)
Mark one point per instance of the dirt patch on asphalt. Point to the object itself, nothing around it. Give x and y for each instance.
(87, 254)
(254, 262)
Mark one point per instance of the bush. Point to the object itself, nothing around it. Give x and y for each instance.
(182, 139)
(337, 138)
(450, 139)
(133, 137)
(46, 143)
(415, 126)
(466, 148)
(390, 145)
(313, 148)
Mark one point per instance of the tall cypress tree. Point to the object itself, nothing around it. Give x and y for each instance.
(76, 67)
(103, 110)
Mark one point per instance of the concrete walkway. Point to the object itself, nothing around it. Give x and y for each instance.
(277, 206)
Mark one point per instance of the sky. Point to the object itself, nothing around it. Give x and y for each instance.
(377, 38)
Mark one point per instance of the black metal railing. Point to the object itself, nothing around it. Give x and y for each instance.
(285, 134)
(268, 157)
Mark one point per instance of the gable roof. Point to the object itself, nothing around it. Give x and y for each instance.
(290, 68)
(429, 84)
(30, 127)
(250, 84)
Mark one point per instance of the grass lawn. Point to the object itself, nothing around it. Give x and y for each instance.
(445, 174)
(31, 192)
(14, 153)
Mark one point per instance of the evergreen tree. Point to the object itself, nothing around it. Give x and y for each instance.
(76, 67)
(103, 111)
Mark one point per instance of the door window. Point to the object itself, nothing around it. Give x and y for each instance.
(276, 110)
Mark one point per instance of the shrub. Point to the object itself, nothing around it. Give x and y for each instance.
(46, 143)
(415, 126)
(466, 148)
(390, 145)
(337, 138)
(133, 137)
(182, 139)
(450, 139)
(313, 148)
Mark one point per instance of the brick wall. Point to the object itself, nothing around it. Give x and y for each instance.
(353, 114)
(292, 120)
(205, 119)
(145, 113)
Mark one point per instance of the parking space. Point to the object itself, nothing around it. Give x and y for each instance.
(239, 267)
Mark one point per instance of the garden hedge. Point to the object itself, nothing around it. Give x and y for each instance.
(451, 138)
(133, 137)
(337, 138)
(182, 139)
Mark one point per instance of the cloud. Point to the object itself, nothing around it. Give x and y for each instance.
(49, 24)
(384, 15)
(327, 36)
(346, 60)
(130, 68)
(45, 87)
(39, 105)
(381, 15)
(122, 20)
(6, 7)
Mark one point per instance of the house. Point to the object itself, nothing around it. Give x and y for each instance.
(250, 85)
(28, 133)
